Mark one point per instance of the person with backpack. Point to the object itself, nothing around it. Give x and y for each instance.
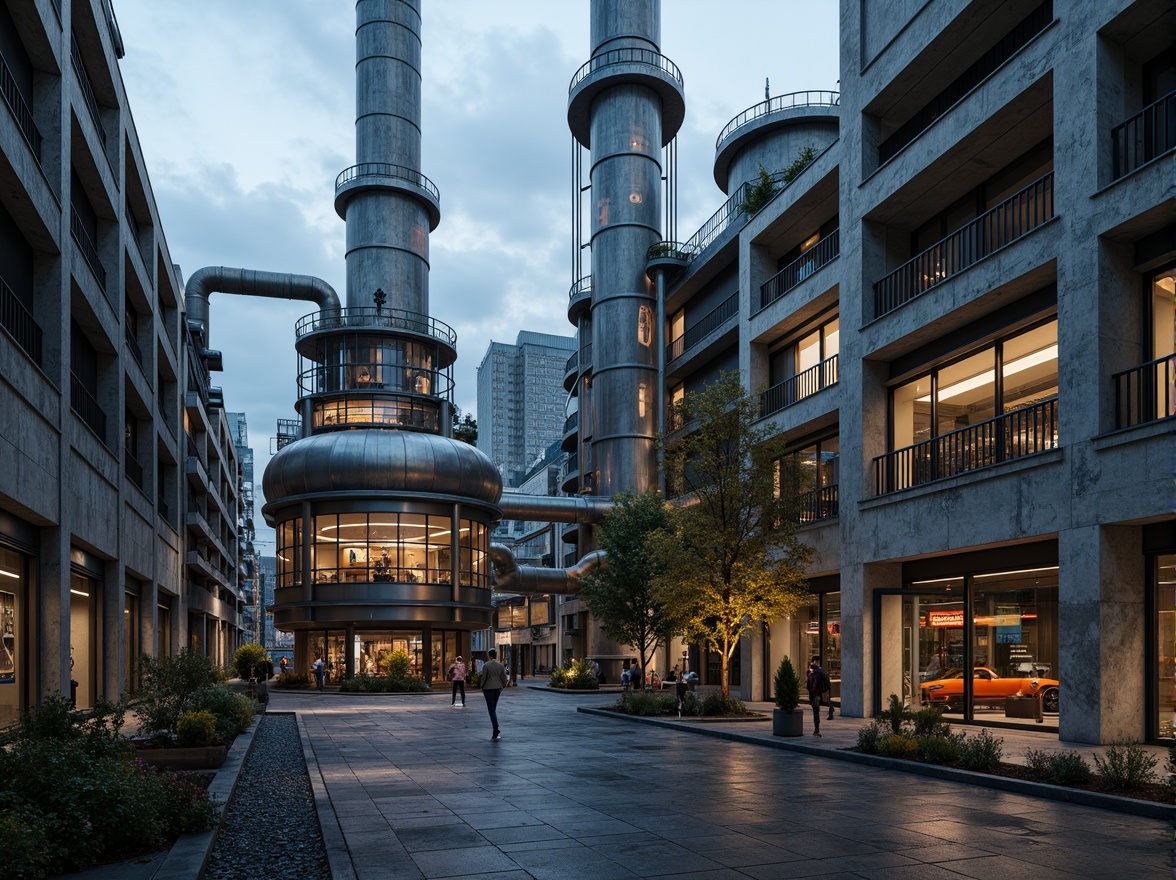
(817, 684)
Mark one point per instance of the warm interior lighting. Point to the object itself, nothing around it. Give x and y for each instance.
(8, 573)
(996, 574)
(79, 593)
(1041, 356)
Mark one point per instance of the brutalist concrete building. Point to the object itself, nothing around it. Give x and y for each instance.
(119, 480)
(960, 316)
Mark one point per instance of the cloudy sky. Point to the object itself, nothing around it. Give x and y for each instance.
(245, 112)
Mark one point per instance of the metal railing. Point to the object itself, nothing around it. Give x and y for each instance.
(133, 468)
(798, 387)
(385, 169)
(1149, 133)
(717, 223)
(573, 362)
(820, 254)
(82, 402)
(669, 250)
(1029, 27)
(361, 317)
(710, 322)
(817, 98)
(288, 431)
(817, 504)
(572, 465)
(1022, 432)
(580, 288)
(87, 89)
(87, 246)
(625, 56)
(20, 109)
(18, 320)
(571, 423)
(996, 228)
(1145, 393)
(586, 356)
(132, 344)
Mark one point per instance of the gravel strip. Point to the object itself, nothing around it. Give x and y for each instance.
(270, 828)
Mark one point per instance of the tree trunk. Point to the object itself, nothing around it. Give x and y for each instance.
(723, 668)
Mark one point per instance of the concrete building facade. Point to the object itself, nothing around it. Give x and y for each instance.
(118, 496)
(959, 315)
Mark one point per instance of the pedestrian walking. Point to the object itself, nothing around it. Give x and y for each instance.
(282, 664)
(817, 684)
(319, 672)
(493, 681)
(457, 676)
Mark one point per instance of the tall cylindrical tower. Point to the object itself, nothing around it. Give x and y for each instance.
(383, 520)
(624, 105)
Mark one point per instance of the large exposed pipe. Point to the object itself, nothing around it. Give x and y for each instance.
(510, 577)
(253, 282)
(549, 508)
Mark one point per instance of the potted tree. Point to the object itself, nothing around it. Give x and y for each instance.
(787, 719)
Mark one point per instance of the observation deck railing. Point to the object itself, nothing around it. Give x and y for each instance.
(626, 56)
(385, 169)
(817, 98)
(1022, 432)
(363, 317)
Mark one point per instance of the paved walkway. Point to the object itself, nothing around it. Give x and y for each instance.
(421, 792)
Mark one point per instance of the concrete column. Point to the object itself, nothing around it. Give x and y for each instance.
(1101, 627)
(858, 631)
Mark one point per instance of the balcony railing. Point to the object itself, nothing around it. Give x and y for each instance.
(289, 430)
(87, 246)
(712, 321)
(384, 169)
(87, 89)
(1149, 133)
(18, 321)
(586, 356)
(133, 468)
(717, 224)
(1022, 432)
(800, 386)
(571, 423)
(132, 344)
(20, 109)
(83, 403)
(1146, 393)
(1016, 216)
(817, 504)
(626, 56)
(820, 254)
(573, 362)
(362, 317)
(775, 105)
(965, 83)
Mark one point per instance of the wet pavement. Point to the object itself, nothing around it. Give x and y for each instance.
(418, 790)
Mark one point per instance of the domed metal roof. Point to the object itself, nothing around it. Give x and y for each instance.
(381, 460)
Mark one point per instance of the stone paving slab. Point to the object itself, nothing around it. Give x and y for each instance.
(420, 791)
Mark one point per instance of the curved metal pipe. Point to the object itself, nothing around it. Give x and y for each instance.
(549, 508)
(253, 282)
(510, 577)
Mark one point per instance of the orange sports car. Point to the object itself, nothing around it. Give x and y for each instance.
(987, 687)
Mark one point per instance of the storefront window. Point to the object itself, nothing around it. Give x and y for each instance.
(13, 589)
(84, 601)
(1164, 574)
(831, 655)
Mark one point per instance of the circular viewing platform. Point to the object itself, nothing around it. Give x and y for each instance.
(641, 66)
(382, 175)
(361, 318)
(579, 298)
(757, 120)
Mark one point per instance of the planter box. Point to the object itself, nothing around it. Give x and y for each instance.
(787, 723)
(1023, 707)
(206, 758)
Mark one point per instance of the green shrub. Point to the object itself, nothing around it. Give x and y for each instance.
(96, 733)
(233, 711)
(717, 704)
(396, 665)
(169, 684)
(691, 705)
(940, 748)
(981, 752)
(786, 686)
(895, 715)
(249, 661)
(760, 192)
(23, 842)
(574, 675)
(291, 680)
(802, 161)
(1127, 765)
(196, 729)
(869, 736)
(641, 703)
(473, 679)
(929, 722)
(896, 745)
(382, 684)
(187, 808)
(1069, 768)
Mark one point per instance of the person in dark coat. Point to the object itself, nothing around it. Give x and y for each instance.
(817, 683)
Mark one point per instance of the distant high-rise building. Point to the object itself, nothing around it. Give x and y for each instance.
(246, 560)
(521, 400)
